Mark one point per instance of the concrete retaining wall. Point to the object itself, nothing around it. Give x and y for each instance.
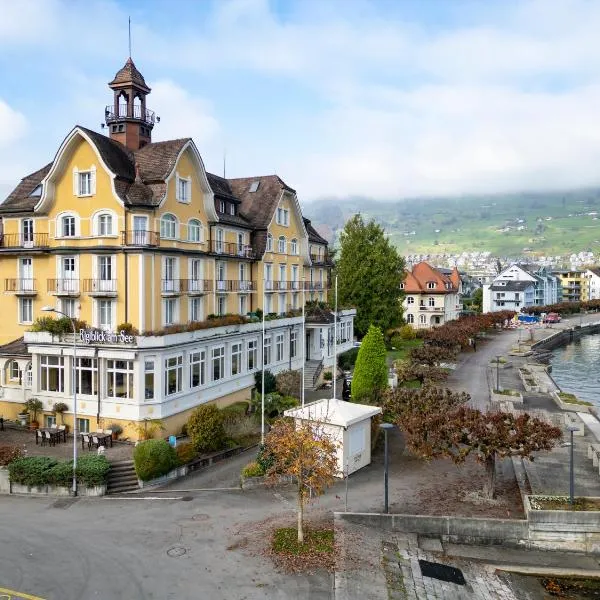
(6, 487)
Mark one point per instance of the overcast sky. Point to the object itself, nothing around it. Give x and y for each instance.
(339, 97)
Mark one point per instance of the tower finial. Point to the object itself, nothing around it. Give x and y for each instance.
(129, 37)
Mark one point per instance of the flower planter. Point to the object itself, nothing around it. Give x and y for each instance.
(517, 397)
(569, 405)
(23, 418)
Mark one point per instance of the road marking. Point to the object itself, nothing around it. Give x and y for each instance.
(12, 595)
(141, 498)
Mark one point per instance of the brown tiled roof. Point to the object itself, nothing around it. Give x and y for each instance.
(157, 160)
(129, 74)
(313, 234)
(221, 188)
(20, 200)
(258, 207)
(422, 273)
(15, 348)
(116, 156)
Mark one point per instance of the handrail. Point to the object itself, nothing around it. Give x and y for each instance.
(317, 372)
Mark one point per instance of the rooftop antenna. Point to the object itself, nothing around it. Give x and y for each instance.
(224, 162)
(129, 37)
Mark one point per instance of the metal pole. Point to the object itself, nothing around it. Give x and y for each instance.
(385, 472)
(497, 373)
(347, 475)
(335, 330)
(303, 341)
(262, 402)
(571, 474)
(74, 384)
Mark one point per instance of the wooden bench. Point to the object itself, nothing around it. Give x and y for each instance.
(594, 454)
(572, 420)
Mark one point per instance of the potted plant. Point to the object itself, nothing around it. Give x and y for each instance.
(60, 408)
(34, 406)
(23, 416)
(116, 429)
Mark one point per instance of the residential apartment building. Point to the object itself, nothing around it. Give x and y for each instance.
(520, 286)
(137, 240)
(591, 284)
(431, 297)
(572, 285)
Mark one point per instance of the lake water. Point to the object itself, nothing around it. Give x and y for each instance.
(576, 368)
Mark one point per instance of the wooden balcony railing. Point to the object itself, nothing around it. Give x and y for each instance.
(140, 237)
(100, 287)
(20, 240)
(171, 286)
(20, 285)
(231, 249)
(234, 285)
(196, 286)
(63, 287)
(319, 259)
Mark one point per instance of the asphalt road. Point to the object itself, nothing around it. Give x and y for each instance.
(143, 549)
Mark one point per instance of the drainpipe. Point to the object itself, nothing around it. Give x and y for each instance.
(126, 288)
(97, 385)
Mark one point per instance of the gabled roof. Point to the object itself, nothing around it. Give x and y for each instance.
(512, 286)
(16, 348)
(313, 235)
(157, 160)
(20, 199)
(221, 188)
(259, 206)
(423, 273)
(595, 271)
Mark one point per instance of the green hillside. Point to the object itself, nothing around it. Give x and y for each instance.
(510, 225)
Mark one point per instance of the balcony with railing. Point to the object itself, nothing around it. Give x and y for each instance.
(100, 287)
(319, 259)
(23, 240)
(63, 287)
(21, 286)
(231, 249)
(171, 287)
(140, 237)
(234, 285)
(431, 308)
(196, 287)
(133, 111)
(314, 285)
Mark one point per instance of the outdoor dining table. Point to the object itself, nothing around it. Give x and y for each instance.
(55, 434)
(103, 438)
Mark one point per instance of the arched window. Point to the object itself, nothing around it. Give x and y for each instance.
(67, 225)
(13, 370)
(104, 224)
(410, 300)
(422, 319)
(28, 376)
(281, 245)
(168, 227)
(269, 242)
(410, 319)
(431, 301)
(294, 246)
(194, 230)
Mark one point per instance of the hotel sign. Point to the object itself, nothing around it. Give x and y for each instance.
(97, 336)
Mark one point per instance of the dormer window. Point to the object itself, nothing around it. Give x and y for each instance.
(431, 285)
(254, 186)
(402, 285)
(221, 206)
(37, 192)
(232, 209)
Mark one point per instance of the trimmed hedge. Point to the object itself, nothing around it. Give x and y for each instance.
(153, 458)
(185, 453)
(45, 470)
(205, 428)
(252, 469)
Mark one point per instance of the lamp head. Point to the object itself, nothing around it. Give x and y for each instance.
(48, 309)
(386, 426)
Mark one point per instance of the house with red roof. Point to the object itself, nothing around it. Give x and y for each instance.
(432, 297)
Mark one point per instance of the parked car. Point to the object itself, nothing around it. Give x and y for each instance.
(552, 318)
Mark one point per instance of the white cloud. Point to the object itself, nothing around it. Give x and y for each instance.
(13, 125)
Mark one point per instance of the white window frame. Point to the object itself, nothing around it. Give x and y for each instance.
(46, 365)
(194, 225)
(83, 425)
(221, 307)
(267, 354)
(431, 301)
(196, 309)
(101, 305)
(79, 177)
(410, 300)
(149, 371)
(169, 220)
(60, 225)
(92, 368)
(422, 320)
(183, 189)
(293, 343)
(217, 360)
(66, 304)
(279, 352)
(269, 242)
(236, 358)
(431, 285)
(25, 315)
(281, 244)
(252, 355)
(410, 318)
(170, 305)
(197, 368)
(175, 364)
(243, 304)
(294, 247)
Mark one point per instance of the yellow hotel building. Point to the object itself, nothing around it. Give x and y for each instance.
(137, 240)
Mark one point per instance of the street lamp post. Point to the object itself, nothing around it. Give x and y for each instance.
(572, 429)
(498, 373)
(386, 427)
(74, 384)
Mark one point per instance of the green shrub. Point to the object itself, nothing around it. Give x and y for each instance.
(275, 404)
(252, 469)
(185, 453)
(60, 474)
(407, 333)
(327, 376)
(397, 342)
(347, 359)
(8, 453)
(31, 470)
(153, 458)
(270, 382)
(264, 459)
(92, 470)
(370, 373)
(205, 428)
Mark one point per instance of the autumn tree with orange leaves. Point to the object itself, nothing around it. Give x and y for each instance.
(436, 423)
(304, 451)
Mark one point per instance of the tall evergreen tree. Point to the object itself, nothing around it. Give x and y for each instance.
(370, 272)
(370, 372)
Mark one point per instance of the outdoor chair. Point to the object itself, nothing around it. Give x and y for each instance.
(95, 442)
(85, 439)
(48, 438)
(62, 431)
(39, 437)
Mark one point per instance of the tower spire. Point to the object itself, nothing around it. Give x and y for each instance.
(129, 36)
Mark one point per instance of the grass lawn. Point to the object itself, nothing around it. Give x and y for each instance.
(402, 352)
(319, 541)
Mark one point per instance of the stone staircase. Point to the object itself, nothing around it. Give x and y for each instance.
(122, 477)
(312, 368)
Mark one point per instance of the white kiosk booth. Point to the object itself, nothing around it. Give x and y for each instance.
(346, 423)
